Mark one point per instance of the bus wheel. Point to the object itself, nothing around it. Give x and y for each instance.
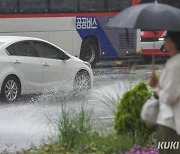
(89, 52)
(147, 59)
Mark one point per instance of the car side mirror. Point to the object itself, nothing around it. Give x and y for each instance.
(65, 57)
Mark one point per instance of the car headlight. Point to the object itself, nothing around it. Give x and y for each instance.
(87, 63)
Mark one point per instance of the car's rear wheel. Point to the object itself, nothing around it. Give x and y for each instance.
(82, 82)
(10, 89)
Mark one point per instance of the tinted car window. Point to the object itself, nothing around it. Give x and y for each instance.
(10, 50)
(46, 50)
(23, 48)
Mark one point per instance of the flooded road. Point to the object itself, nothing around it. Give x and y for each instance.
(31, 120)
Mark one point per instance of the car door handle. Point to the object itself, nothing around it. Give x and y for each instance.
(45, 64)
(17, 62)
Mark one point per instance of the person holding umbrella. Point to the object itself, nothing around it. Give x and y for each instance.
(155, 16)
(168, 91)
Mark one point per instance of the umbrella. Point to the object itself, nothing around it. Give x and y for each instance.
(150, 16)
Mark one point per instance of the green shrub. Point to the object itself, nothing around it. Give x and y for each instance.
(127, 116)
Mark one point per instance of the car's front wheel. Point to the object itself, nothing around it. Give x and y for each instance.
(82, 82)
(10, 89)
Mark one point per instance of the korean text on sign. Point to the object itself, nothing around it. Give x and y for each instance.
(86, 23)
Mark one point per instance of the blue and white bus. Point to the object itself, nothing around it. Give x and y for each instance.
(77, 26)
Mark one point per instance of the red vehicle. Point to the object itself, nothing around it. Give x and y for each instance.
(152, 42)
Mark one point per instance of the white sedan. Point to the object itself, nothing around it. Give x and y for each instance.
(30, 65)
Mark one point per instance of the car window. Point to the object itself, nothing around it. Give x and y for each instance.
(46, 50)
(10, 50)
(22, 48)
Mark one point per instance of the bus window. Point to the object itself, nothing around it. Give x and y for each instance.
(8, 6)
(175, 3)
(118, 5)
(159, 1)
(147, 1)
(63, 6)
(168, 2)
(33, 6)
(92, 6)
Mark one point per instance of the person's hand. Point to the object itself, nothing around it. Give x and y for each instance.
(153, 82)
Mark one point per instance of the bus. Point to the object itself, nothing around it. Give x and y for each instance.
(152, 42)
(77, 26)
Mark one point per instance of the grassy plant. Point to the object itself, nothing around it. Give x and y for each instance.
(76, 135)
(112, 92)
(110, 95)
(73, 126)
(94, 143)
(111, 143)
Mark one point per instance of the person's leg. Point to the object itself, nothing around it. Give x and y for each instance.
(166, 138)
